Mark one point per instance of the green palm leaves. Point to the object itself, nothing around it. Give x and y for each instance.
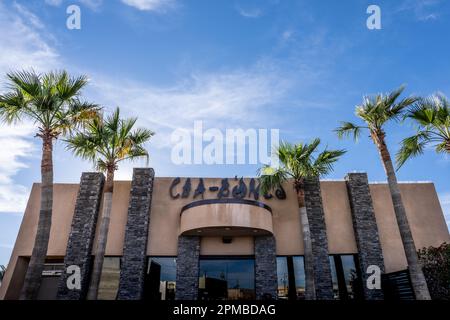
(298, 161)
(106, 142)
(52, 101)
(376, 111)
(432, 118)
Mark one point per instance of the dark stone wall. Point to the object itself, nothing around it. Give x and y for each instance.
(365, 228)
(82, 233)
(266, 281)
(134, 259)
(314, 209)
(187, 268)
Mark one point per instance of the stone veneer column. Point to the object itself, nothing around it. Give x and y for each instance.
(365, 228)
(187, 268)
(82, 233)
(134, 259)
(314, 209)
(266, 281)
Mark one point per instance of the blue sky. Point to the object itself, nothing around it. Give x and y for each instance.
(298, 66)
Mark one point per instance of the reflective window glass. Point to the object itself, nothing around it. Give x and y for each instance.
(160, 282)
(227, 279)
(109, 279)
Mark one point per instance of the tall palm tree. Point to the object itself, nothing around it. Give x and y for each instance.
(432, 116)
(52, 102)
(107, 142)
(376, 111)
(299, 162)
(2, 273)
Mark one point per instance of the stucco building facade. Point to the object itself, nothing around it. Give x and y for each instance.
(213, 238)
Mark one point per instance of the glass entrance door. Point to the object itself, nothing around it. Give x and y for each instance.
(227, 279)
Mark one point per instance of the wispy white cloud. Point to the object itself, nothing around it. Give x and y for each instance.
(23, 47)
(29, 16)
(239, 96)
(55, 3)
(16, 147)
(424, 10)
(249, 12)
(92, 4)
(287, 34)
(151, 5)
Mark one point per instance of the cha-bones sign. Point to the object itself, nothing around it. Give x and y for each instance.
(239, 191)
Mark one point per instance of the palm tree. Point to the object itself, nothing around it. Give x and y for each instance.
(432, 116)
(376, 111)
(299, 162)
(107, 142)
(52, 102)
(2, 273)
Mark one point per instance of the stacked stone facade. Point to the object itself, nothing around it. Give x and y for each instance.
(187, 268)
(266, 281)
(314, 209)
(134, 259)
(82, 233)
(366, 230)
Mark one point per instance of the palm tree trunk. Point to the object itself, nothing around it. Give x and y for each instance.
(33, 276)
(310, 291)
(415, 269)
(102, 236)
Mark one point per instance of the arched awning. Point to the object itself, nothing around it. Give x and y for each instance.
(226, 217)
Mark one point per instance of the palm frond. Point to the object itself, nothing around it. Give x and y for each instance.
(378, 109)
(50, 100)
(108, 141)
(271, 178)
(325, 160)
(28, 82)
(411, 147)
(347, 129)
(299, 161)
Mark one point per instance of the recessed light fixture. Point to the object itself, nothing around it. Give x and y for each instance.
(199, 231)
(255, 231)
(227, 228)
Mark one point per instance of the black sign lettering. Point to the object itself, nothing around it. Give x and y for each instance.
(174, 183)
(254, 190)
(186, 188)
(240, 191)
(280, 193)
(200, 189)
(224, 191)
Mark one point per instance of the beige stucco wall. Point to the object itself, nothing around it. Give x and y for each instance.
(424, 216)
(63, 208)
(421, 202)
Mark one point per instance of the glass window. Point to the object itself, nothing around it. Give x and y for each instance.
(109, 280)
(346, 280)
(299, 272)
(291, 274)
(283, 278)
(227, 279)
(334, 278)
(352, 280)
(160, 282)
(50, 280)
